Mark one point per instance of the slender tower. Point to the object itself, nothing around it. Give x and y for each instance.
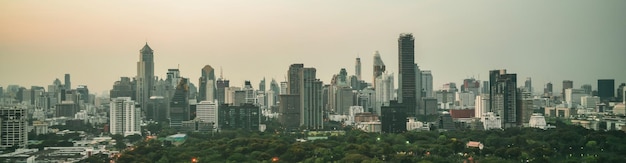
(145, 76)
(407, 85)
(357, 68)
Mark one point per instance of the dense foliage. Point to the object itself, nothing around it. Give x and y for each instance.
(566, 143)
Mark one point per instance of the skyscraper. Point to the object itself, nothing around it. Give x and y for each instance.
(173, 76)
(124, 119)
(222, 84)
(208, 90)
(503, 96)
(68, 83)
(620, 92)
(145, 76)
(407, 90)
(587, 88)
(606, 89)
(379, 66)
(427, 83)
(548, 90)
(357, 68)
(384, 91)
(179, 105)
(566, 84)
(311, 100)
(528, 85)
(262, 85)
(13, 127)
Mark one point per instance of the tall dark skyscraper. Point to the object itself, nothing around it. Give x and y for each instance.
(606, 89)
(208, 92)
(620, 92)
(68, 83)
(311, 109)
(179, 105)
(379, 67)
(503, 97)
(145, 76)
(407, 89)
(357, 68)
(566, 84)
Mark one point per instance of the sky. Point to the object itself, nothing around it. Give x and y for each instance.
(97, 42)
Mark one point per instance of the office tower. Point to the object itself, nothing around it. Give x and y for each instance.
(344, 98)
(262, 85)
(294, 78)
(303, 85)
(379, 66)
(83, 93)
(158, 109)
(173, 76)
(427, 83)
(528, 85)
(430, 105)
(222, 84)
(589, 101)
(289, 109)
(275, 88)
(620, 92)
(393, 118)
(207, 111)
(284, 88)
(407, 90)
(311, 116)
(465, 99)
(208, 90)
(471, 85)
(13, 127)
(179, 105)
(548, 90)
(1, 92)
(524, 106)
(124, 118)
(503, 96)
(566, 84)
(384, 91)
(343, 76)
(606, 89)
(193, 91)
(123, 88)
(244, 117)
(250, 96)
(66, 109)
(481, 105)
(357, 68)
(68, 83)
(145, 76)
(485, 88)
(419, 92)
(587, 88)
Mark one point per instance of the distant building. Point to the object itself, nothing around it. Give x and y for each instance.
(379, 66)
(587, 89)
(445, 122)
(222, 84)
(207, 81)
(481, 105)
(124, 118)
(408, 90)
(68, 82)
(589, 101)
(289, 109)
(430, 105)
(573, 96)
(566, 84)
(179, 104)
(537, 121)
(207, 111)
(145, 75)
(393, 118)
(606, 89)
(357, 68)
(384, 85)
(491, 121)
(427, 83)
(244, 117)
(13, 127)
(123, 88)
(66, 109)
(503, 97)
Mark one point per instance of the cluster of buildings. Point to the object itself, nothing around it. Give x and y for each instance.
(304, 102)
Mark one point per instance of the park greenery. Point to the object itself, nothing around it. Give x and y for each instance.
(566, 143)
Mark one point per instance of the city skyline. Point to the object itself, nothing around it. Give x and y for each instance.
(97, 47)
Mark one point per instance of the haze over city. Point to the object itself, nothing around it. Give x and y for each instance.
(98, 42)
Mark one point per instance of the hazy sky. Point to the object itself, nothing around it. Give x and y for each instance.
(97, 42)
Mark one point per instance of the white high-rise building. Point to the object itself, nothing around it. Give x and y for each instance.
(384, 91)
(229, 95)
(124, 118)
(573, 96)
(270, 98)
(481, 105)
(207, 111)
